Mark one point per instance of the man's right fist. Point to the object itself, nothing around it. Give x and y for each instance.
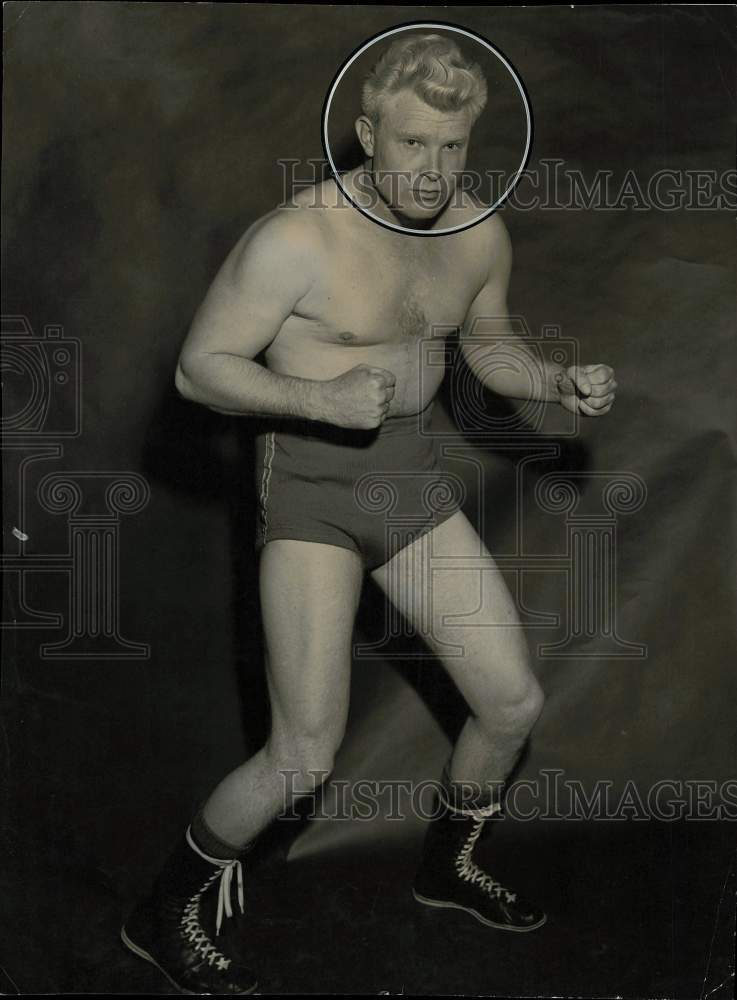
(359, 398)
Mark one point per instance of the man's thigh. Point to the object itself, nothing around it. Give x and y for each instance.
(309, 598)
(448, 586)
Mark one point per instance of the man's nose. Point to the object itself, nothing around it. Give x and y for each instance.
(431, 166)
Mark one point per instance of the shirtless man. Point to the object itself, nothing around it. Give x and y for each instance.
(340, 306)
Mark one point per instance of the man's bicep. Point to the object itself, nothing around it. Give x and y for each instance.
(488, 312)
(256, 289)
(487, 330)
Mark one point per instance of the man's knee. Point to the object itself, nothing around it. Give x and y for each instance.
(533, 704)
(517, 715)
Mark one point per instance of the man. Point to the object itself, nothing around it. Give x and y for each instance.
(341, 307)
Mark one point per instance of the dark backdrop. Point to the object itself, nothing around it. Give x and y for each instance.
(140, 140)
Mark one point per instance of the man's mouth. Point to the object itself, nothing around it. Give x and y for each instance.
(428, 194)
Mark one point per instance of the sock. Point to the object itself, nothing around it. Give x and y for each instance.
(209, 842)
(459, 793)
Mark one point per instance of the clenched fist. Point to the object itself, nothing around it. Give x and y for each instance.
(588, 390)
(359, 398)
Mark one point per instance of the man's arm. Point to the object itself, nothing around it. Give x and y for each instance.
(270, 269)
(501, 360)
(265, 275)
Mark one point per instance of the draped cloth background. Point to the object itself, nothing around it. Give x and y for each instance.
(140, 141)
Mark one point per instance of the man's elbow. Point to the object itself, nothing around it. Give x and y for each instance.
(183, 383)
(476, 359)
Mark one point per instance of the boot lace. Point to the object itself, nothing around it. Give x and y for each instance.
(469, 871)
(190, 923)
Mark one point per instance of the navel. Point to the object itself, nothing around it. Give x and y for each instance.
(346, 336)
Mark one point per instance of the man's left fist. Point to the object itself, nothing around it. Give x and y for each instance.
(588, 389)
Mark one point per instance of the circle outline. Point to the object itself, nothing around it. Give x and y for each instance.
(527, 104)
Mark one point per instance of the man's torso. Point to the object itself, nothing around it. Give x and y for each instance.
(381, 298)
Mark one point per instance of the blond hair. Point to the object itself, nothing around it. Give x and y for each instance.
(434, 68)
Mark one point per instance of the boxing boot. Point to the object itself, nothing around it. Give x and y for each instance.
(177, 926)
(448, 876)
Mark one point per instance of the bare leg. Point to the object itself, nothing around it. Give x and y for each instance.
(309, 596)
(493, 673)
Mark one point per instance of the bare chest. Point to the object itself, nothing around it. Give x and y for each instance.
(386, 298)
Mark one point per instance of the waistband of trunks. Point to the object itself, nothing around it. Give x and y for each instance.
(413, 425)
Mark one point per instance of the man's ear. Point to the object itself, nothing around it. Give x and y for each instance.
(365, 132)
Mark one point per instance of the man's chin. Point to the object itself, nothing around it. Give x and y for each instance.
(420, 211)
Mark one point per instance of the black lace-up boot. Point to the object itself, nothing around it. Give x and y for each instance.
(177, 926)
(449, 877)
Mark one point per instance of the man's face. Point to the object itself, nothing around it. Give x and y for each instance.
(416, 152)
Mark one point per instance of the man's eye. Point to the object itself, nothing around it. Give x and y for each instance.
(411, 142)
(453, 145)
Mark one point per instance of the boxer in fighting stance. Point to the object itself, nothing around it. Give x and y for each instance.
(341, 306)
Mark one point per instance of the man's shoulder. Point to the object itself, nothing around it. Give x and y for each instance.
(485, 234)
(485, 248)
(317, 199)
(290, 229)
(493, 230)
(304, 215)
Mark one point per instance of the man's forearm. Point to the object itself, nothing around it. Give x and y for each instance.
(231, 384)
(516, 372)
